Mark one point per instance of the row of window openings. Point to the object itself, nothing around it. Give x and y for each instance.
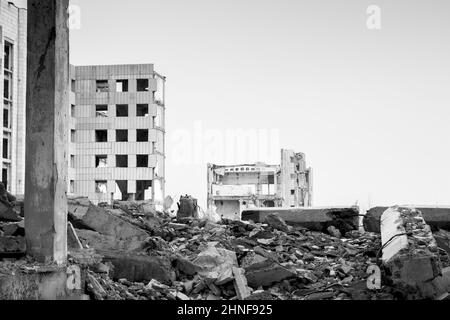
(121, 136)
(101, 161)
(101, 110)
(142, 85)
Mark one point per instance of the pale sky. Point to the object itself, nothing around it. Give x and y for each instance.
(369, 108)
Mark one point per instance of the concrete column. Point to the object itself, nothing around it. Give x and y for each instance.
(46, 128)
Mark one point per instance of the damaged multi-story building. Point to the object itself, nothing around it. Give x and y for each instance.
(234, 188)
(117, 122)
(13, 40)
(117, 133)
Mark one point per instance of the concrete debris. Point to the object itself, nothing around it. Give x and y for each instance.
(240, 284)
(410, 252)
(317, 219)
(436, 217)
(276, 222)
(128, 253)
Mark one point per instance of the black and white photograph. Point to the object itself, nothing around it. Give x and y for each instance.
(217, 157)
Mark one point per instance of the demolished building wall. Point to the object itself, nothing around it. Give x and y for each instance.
(234, 188)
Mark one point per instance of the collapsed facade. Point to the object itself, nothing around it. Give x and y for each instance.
(234, 188)
(117, 133)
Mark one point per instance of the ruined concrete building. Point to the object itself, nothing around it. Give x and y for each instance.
(13, 40)
(234, 188)
(117, 133)
(116, 138)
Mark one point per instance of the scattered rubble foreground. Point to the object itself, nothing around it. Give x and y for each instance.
(129, 251)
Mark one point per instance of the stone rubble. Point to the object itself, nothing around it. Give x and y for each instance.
(132, 252)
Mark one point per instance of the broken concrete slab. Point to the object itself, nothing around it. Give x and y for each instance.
(84, 213)
(14, 229)
(101, 242)
(212, 261)
(7, 213)
(240, 284)
(436, 217)
(267, 273)
(139, 268)
(318, 219)
(409, 252)
(276, 222)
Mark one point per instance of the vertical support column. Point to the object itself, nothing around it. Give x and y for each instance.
(46, 128)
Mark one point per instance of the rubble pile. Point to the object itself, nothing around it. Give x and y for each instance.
(240, 260)
(129, 251)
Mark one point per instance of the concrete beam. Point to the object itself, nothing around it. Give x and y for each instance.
(410, 252)
(318, 219)
(435, 217)
(46, 130)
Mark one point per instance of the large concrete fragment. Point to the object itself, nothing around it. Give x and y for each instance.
(436, 217)
(7, 213)
(101, 242)
(409, 252)
(139, 268)
(318, 219)
(46, 130)
(83, 213)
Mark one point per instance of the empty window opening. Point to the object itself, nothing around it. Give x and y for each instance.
(122, 110)
(122, 189)
(121, 135)
(122, 161)
(7, 86)
(72, 85)
(73, 136)
(292, 192)
(6, 121)
(5, 178)
(101, 187)
(101, 135)
(101, 110)
(142, 135)
(5, 148)
(102, 85)
(72, 186)
(8, 64)
(101, 161)
(142, 110)
(72, 110)
(72, 161)
(142, 161)
(122, 86)
(142, 84)
(143, 190)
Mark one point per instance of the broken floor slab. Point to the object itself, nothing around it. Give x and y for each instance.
(138, 268)
(436, 217)
(318, 219)
(101, 242)
(409, 251)
(10, 245)
(84, 213)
